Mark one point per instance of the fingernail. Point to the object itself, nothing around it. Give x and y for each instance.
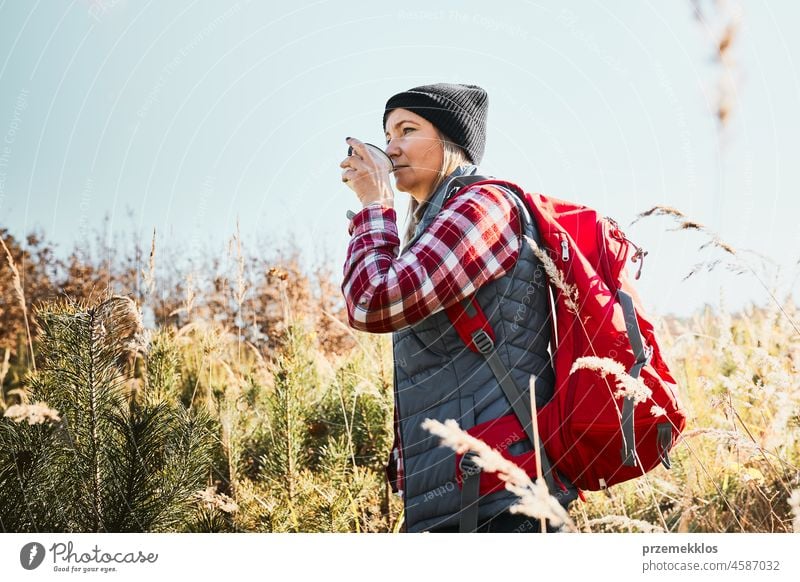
(345, 139)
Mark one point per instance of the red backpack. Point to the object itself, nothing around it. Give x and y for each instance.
(590, 436)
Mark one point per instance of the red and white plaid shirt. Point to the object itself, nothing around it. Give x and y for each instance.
(474, 239)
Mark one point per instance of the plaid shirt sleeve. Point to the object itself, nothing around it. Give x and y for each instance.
(474, 239)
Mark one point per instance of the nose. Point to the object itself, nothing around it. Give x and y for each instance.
(393, 150)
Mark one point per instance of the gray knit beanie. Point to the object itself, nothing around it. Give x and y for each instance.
(458, 111)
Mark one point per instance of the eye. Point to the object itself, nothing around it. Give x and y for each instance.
(403, 131)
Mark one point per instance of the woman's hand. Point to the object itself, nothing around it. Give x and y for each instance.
(367, 175)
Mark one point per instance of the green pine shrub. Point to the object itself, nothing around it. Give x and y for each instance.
(116, 460)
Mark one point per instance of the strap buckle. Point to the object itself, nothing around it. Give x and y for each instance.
(467, 464)
(482, 341)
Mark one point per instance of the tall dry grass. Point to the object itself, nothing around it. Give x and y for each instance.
(302, 411)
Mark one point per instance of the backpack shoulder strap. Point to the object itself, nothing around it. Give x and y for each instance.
(517, 194)
(476, 332)
(463, 181)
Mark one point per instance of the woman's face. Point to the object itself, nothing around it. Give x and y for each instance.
(414, 145)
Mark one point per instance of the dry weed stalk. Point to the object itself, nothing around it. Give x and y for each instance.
(240, 291)
(659, 210)
(731, 436)
(622, 521)
(535, 501)
(214, 500)
(120, 319)
(685, 224)
(241, 284)
(190, 295)
(149, 276)
(188, 300)
(656, 410)
(3, 371)
(739, 266)
(20, 297)
(794, 504)
(556, 277)
(629, 387)
(723, 40)
(282, 276)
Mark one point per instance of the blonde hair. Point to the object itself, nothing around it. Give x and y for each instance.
(453, 157)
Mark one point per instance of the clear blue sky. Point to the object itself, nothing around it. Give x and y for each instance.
(194, 113)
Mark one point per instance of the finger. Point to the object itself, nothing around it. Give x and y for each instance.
(351, 162)
(359, 148)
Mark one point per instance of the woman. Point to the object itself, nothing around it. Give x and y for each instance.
(456, 247)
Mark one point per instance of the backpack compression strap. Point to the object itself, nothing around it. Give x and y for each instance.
(475, 331)
(470, 493)
(643, 354)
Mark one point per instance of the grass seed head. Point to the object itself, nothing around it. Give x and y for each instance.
(37, 413)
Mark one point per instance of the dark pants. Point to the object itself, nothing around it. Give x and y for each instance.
(503, 523)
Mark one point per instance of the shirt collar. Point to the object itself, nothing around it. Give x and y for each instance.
(442, 193)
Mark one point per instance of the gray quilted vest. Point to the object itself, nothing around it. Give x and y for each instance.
(437, 377)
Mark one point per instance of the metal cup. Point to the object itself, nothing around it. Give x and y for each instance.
(378, 154)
